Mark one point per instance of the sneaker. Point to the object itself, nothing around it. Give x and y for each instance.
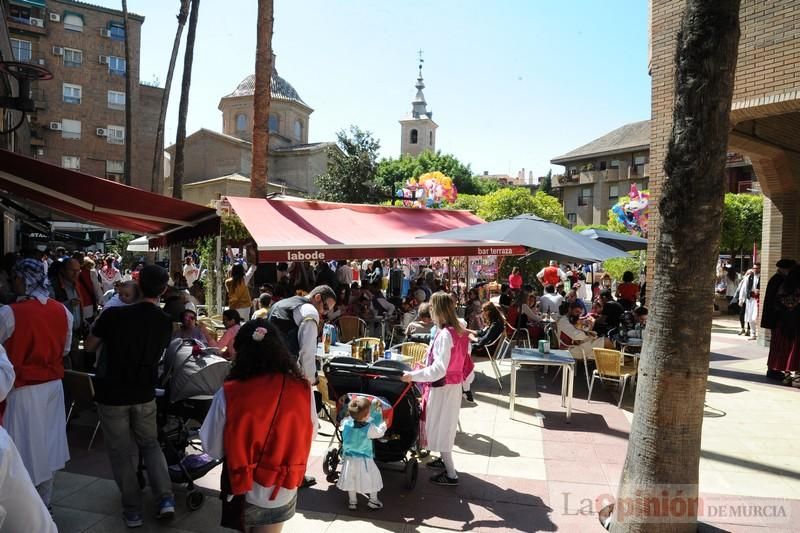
(436, 463)
(133, 518)
(752, 338)
(308, 481)
(776, 375)
(741, 332)
(374, 504)
(469, 397)
(352, 506)
(442, 479)
(166, 508)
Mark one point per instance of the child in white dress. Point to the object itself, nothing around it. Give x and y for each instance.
(360, 474)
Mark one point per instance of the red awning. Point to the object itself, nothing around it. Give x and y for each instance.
(103, 202)
(305, 230)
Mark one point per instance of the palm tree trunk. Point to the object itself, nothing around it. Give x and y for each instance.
(664, 447)
(128, 93)
(183, 107)
(261, 99)
(158, 155)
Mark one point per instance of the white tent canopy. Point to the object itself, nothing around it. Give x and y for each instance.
(140, 244)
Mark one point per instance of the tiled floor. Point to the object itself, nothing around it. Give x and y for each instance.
(533, 473)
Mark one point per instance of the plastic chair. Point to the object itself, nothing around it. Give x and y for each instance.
(350, 327)
(416, 350)
(610, 368)
(80, 390)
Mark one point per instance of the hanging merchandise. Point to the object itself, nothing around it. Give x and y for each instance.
(429, 190)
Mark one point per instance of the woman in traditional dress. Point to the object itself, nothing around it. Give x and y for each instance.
(784, 349)
(448, 366)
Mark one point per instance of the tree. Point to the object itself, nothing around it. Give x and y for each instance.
(395, 172)
(664, 448)
(261, 101)
(546, 183)
(158, 156)
(352, 168)
(510, 202)
(183, 107)
(126, 168)
(741, 223)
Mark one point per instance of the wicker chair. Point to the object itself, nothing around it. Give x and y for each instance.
(416, 350)
(350, 328)
(610, 367)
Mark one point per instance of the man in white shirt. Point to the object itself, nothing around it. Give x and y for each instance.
(190, 271)
(550, 300)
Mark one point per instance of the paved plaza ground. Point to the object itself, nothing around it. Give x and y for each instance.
(534, 473)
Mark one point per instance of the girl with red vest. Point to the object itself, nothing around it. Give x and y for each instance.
(260, 422)
(448, 366)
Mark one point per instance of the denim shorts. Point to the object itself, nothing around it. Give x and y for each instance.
(262, 516)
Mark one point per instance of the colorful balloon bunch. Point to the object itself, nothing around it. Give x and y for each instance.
(634, 213)
(429, 190)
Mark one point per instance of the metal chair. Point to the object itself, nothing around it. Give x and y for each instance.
(350, 327)
(80, 390)
(520, 336)
(610, 368)
(416, 350)
(496, 351)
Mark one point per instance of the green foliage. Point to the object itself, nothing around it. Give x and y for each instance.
(546, 183)
(121, 248)
(470, 202)
(352, 170)
(233, 230)
(396, 172)
(741, 222)
(513, 201)
(207, 249)
(634, 263)
(578, 229)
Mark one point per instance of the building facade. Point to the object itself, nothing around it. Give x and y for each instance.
(218, 164)
(597, 174)
(765, 113)
(418, 130)
(79, 122)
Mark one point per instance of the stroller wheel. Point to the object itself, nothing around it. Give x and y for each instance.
(140, 478)
(331, 462)
(412, 469)
(194, 500)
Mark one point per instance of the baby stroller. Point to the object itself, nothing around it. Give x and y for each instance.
(191, 375)
(346, 376)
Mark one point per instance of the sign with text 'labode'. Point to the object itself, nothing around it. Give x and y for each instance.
(329, 254)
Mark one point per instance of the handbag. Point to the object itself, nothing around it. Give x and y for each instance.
(232, 515)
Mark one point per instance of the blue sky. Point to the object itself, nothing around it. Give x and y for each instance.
(512, 84)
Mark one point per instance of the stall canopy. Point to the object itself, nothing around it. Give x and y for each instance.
(103, 202)
(305, 230)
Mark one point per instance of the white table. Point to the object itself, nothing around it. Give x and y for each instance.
(336, 350)
(560, 358)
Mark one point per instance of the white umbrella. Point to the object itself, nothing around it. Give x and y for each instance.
(140, 244)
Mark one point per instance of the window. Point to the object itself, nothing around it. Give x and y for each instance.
(602, 165)
(298, 130)
(640, 160)
(615, 163)
(116, 65)
(430, 138)
(116, 100)
(241, 122)
(115, 135)
(71, 161)
(586, 196)
(117, 31)
(19, 14)
(273, 123)
(115, 170)
(412, 137)
(573, 171)
(71, 93)
(572, 218)
(72, 57)
(73, 22)
(71, 129)
(21, 50)
(613, 192)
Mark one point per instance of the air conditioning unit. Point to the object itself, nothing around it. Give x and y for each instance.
(102, 132)
(40, 152)
(105, 33)
(39, 23)
(104, 60)
(55, 126)
(40, 61)
(58, 51)
(55, 17)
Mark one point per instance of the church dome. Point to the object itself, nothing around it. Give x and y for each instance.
(279, 88)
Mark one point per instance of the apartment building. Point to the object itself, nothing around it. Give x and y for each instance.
(79, 122)
(598, 173)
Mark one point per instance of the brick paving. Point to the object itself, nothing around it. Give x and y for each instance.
(534, 473)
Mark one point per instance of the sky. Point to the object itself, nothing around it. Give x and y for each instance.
(512, 83)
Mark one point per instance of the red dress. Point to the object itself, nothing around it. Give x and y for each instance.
(784, 345)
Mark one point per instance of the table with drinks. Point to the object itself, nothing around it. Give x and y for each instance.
(544, 357)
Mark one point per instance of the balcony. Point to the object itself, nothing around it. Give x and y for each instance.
(563, 180)
(27, 24)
